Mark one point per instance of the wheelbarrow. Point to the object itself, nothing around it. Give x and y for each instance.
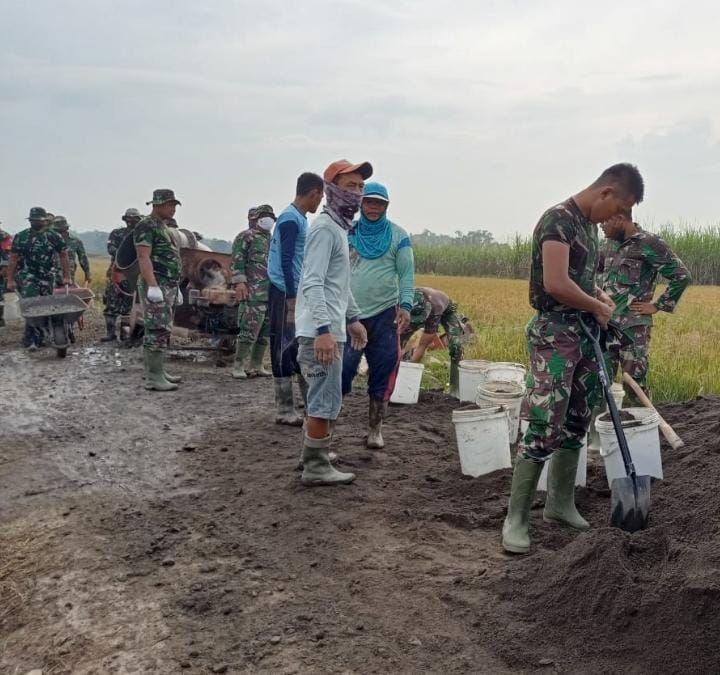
(54, 316)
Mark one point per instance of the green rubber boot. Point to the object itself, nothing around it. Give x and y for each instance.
(242, 349)
(317, 469)
(256, 362)
(515, 535)
(560, 500)
(154, 372)
(285, 412)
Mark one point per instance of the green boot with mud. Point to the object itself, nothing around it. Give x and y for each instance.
(317, 469)
(285, 412)
(242, 350)
(154, 372)
(110, 330)
(560, 500)
(515, 535)
(378, 410)
(256, 362)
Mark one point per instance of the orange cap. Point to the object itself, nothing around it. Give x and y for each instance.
(343, 166)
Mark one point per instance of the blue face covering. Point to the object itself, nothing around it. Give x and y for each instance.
(372, 238)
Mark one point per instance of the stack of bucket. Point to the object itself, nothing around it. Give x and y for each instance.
(484, 435)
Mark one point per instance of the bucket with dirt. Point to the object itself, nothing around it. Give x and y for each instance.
(407, 384)
(471, 374)
(482, 440)
(507, 394)
(505, 372)
(641, 431)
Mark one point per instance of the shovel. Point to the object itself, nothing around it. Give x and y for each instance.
(629, 496)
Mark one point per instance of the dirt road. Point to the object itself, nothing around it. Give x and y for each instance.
(166, 533)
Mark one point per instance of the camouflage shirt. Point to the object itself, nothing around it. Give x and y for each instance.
(36, 251)
(76, 254)
(630, 271)
(429, 305)
(249, 262)
(164, 254)
(567, 224)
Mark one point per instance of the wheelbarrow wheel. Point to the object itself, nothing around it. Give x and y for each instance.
(61, 352)
(59, 337)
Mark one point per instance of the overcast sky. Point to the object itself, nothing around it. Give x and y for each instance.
(475, 114)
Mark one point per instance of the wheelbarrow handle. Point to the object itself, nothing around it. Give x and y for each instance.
(591, 328)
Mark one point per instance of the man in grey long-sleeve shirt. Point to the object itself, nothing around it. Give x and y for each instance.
(324, 311)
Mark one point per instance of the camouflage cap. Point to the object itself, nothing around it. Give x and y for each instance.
(38, 213)
(132, 214)
(163, 196)
(60, 223)
(264, 210)
(252, 213)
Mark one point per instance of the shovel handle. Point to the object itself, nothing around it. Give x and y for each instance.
(667, 431)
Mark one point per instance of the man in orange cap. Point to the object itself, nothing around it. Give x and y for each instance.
(325, 314)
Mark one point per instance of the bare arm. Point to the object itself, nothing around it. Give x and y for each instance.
(556, 281)
(65, 264)
(145, 265)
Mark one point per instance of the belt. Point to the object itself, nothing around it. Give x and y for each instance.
(571, 315)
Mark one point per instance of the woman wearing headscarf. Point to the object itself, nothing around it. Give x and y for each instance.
(383, 279)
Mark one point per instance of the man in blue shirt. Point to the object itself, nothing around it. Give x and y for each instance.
(285, 261)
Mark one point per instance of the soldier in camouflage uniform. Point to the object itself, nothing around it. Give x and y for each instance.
(562, 381)
(159, 263)
(76, 252)
(31, 269)
(5, 244)
(632, 262)
(118, 299)
(431, 309)
(252, 286)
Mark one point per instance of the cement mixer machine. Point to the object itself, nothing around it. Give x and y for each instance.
(209, 309)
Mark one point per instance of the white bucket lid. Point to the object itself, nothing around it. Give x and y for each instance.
(411, 365)
(474, 365)
(501, 389)
(489, 412)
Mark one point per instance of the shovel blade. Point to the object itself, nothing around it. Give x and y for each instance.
(630, 503)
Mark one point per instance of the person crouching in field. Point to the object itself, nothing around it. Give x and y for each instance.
(159, 263)
(632, 261)
(383, 280)
(562, 382)
(250, 276)
(326, 314)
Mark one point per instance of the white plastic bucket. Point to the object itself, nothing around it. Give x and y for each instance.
(505, 372)
(643, 441)
(618, 393)
(507, 394)
(471, 374)
(12, 308)
(407, 384)
(482, 439)
(580, 476)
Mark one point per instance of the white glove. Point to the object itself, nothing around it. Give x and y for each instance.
(155, 294)
(178, 298)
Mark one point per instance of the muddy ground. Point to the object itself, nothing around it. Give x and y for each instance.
(167, 533)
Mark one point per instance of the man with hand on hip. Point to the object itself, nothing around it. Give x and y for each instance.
(326, 313)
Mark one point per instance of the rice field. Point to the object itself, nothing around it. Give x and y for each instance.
(685, 349)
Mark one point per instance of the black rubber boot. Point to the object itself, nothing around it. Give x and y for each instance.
(110, 328)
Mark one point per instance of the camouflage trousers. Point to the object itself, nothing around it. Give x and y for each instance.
(451, 321)
(253, 323)
(632, 359)
(31, 286)
(562, 387)
(116, 303)
(157, 316)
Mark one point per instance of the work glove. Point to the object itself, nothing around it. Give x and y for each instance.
(178, 298)
(155, 294)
